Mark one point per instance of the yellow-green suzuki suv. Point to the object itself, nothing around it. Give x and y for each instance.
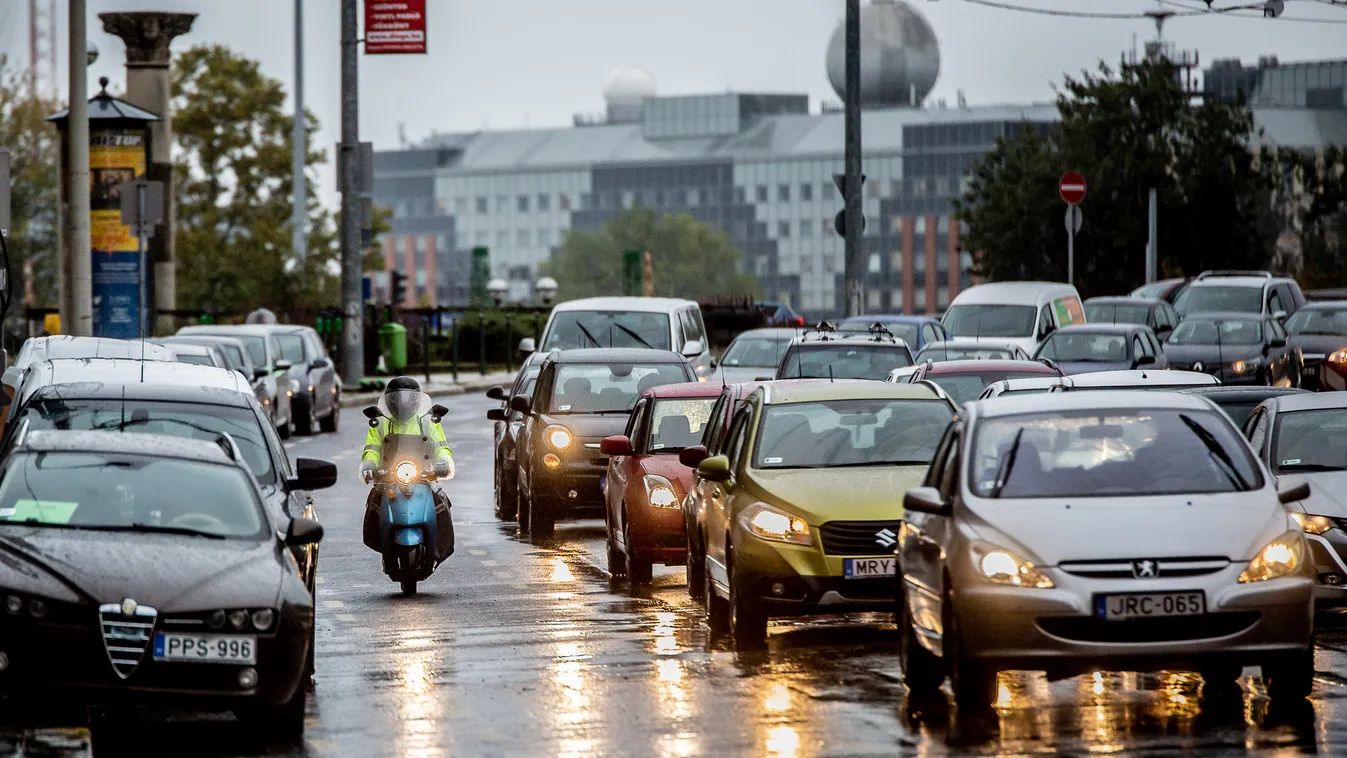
(803, 507)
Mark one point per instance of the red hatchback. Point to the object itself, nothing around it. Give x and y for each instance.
(964, 380)
(646, 483)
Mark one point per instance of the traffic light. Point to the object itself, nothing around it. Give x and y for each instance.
(397, 287)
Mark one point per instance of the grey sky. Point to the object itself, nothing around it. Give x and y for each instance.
(510, 63)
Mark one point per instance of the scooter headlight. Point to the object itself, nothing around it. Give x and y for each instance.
(406, 472)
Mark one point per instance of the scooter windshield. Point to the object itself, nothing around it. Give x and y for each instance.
(398, 448)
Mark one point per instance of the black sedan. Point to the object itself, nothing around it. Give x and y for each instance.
(1239, 402)
(140, 569)
(1086, 348)
(1159, 315)
(1237, 348)
(1319, 331)
(507, 423)
(582, 396)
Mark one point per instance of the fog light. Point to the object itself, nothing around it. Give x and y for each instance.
(4, 660)
(1332, 579)
(238, 619)
(262, 619)
(13, 604)
(216, 620)
(778, 589)
(572, 494)
(551, 460)
(37, 608)
(248, 678)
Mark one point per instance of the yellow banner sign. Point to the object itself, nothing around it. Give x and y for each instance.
(115, 157)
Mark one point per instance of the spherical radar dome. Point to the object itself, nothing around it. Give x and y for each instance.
(899, 51)
(629, 85)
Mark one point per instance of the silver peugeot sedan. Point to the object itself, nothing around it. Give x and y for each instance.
(1075, 531)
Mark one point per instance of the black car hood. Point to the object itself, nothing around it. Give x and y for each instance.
(591, 426)
(1318, 344)
(1183, 356)
(172, 573)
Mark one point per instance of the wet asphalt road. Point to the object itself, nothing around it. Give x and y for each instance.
(517, 649)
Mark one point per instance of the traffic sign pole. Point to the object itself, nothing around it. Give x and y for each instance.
(1071, 188)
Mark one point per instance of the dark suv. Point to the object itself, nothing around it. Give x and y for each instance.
(1240, 292)
(825, 353)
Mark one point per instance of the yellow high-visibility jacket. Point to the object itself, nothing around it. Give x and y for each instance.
(420, 426)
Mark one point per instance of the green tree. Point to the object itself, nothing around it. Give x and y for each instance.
(34, 161)
(1126, 132)
(690, 259)
(234, 191)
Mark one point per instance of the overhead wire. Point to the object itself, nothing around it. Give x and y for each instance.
(1229, 11)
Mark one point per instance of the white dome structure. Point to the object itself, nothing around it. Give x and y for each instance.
(628, 86)
(900, 56)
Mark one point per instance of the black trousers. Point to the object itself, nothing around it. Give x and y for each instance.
(444, 523)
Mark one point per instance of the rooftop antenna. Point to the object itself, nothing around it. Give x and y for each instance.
(830, 373)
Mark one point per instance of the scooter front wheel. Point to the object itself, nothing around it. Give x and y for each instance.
(408, 587)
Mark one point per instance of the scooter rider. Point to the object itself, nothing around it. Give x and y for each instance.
(406, 410)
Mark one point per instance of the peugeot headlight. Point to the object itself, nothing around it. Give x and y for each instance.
(1280, 557)
(1313, 524)
(659, 492)
(406, 472)
(1001, 566)
(1244, 366)
(1338, 356)
(774, 524)
(557, 436)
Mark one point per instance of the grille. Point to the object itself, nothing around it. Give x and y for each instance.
(1165, 568)
(860, 537)
(126, 635)
(1171, 629)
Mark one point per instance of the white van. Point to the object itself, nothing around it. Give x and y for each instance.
(1024, 313)
(659, 323)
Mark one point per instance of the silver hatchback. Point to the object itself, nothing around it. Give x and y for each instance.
(1101, 530)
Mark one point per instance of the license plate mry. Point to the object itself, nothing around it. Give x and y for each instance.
(205, 648)
(867, 568)
(1144, 605)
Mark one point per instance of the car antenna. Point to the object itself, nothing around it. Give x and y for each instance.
(1220, 349)
(830, 374)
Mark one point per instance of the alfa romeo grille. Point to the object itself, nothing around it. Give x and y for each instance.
(859, 537)
(127, 629)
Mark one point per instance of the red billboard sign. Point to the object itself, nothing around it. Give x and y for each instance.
(395, 26)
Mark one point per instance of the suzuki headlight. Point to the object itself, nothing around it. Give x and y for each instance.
(558, 437)
(1004, 567)
(406, 472)
(1280, 557)
(1244, 366)
(659, 492)
(774, 524)
(1312, 524)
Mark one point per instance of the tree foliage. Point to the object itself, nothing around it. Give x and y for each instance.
(1310, 204)
(1126, 132)
(34, 162)
(690, 259)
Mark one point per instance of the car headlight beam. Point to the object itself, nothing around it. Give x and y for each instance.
(775, 525)
(1001, 566)
(1312, 524)
(660, 493)
(1241, 367)
(559, 437)
(1280, 557)
(406, 472)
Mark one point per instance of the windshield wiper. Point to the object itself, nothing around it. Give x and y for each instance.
(152, 528)
(587, 334)
(1309, 467)
(634, 336)
(1215, 450)
(1003, 473)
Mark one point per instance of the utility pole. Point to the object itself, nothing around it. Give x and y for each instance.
(353, 327)
(299, 220)
(853, 265)
(77, 294)
(1152, 253)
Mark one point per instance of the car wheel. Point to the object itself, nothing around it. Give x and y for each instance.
(523, 509)
(639, 569)
(331, 422)
(1220, 678)
(281, 722)
(1290, 677)
(973, 682)
(923, 672)
(541, 521)
(617, 562)
(696, 563)
(306, 423)
(284, 430)
(310, 664)
(408, 587)
(748, 619)
(717, 610)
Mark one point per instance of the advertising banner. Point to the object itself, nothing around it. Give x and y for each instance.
(395, 26)
(116, 156)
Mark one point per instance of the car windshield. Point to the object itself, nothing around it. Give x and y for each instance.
(608, 388)
(292, 347)
(1224, 332)
(1116, 313)
(1239, 411)
(234, 356)
(677, 422)
(831, 360)
(1314, 440)
(1110, 453)
(909, 333)
(578, 329)
(869, 432)
(1153, 291)
(197, 359)
(132, 492)
(1318, 321)
(939, 352)
(1209, 298)
(962, 388)
(985, 320)
(1066, 346)
(756, 352)
(257, 349)
(193, 421)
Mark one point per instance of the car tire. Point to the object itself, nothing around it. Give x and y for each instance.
(330, 422)
(696, 570)
(717, 610)
(305, 422)
(617, 562)
(310, 663)
(284, 430)
(408, 587)
(748, 619)
(1290, 677)
(1220, 679)
(640, 571)
(507, 503)
(923, 672)
(279, 722)
(522, 508)
(541, 521)
(973, 682)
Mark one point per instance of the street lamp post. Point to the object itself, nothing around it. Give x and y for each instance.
(497, 288)
(546, 289)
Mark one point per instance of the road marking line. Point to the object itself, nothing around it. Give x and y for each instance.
(345, 617)
(489, 563)
(319, 580)
(503, 575)
(477, 552)
(333, 604)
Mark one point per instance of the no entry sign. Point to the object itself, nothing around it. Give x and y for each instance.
(1071, 187)
(395, 26)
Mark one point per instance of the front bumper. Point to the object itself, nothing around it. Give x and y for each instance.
(794, 580)
(574, 485)
(657, 533)
(1330, 570)
(1056, 628)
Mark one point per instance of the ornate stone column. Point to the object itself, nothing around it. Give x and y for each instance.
(147, 35)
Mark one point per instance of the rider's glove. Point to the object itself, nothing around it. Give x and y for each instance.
(444, 468)
(367, 471)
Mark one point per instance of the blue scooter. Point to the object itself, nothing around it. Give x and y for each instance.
(407, 520)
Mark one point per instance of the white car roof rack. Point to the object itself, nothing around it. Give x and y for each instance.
(1230, 273)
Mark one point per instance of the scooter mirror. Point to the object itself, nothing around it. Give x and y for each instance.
(372, 412)
(439, 412)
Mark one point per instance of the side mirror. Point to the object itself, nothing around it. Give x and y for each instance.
(714, 361)
(261, 373)
(1293, 491)
(618, 444)
(283, 365)
(527, 346)
(1280, 315)
(319, 362)
(521, 403)
(496, 393)
(693, 348)
(715, 469)
(313, 474)
(12, 377)
(1276, 342)
(925, 500)
(495, 414)
(1145, 360)
(372, 413)
(303, 531)
(439, 411)
(693, 456)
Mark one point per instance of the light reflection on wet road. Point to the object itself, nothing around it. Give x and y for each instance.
(517, 649)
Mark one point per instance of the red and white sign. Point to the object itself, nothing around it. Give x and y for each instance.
(1071, 187)
(395, 26)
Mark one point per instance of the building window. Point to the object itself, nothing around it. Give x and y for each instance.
(628, 200)
(502, 240)
(442, 242)
(523, 203)
(783, 230)
(762, 193)
(481, 205)
(544, 202)
(461, 205)
(806, 228)
(807, 192)
(783, 193)
(942, 186)
(920, 225)
(564, 202)
(828, 227)
(896, 188)
(874, 264)
(694, 198)
(524, 238)
(872, 299)
(942, 225)
(875, 188)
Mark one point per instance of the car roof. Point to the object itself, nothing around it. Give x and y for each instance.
(1082, 401)
(1323, 305)
(640, 304)
(200, 339)
(225, 330)
(1309, 401)
(189, 348)
(149, 391)
(849, 338)
(1140, 378)
(1009, 292)
(810, 390)
(117, 371)
(1046, 381)
(615, 355)
(889, 318)
(1235, 281)
(980, 365)
(777, 332)
(1228, 392)
(133, 443)
(684, 389)
(1123, 300)
(70, 346)
(1100, 328)
(989, 343)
